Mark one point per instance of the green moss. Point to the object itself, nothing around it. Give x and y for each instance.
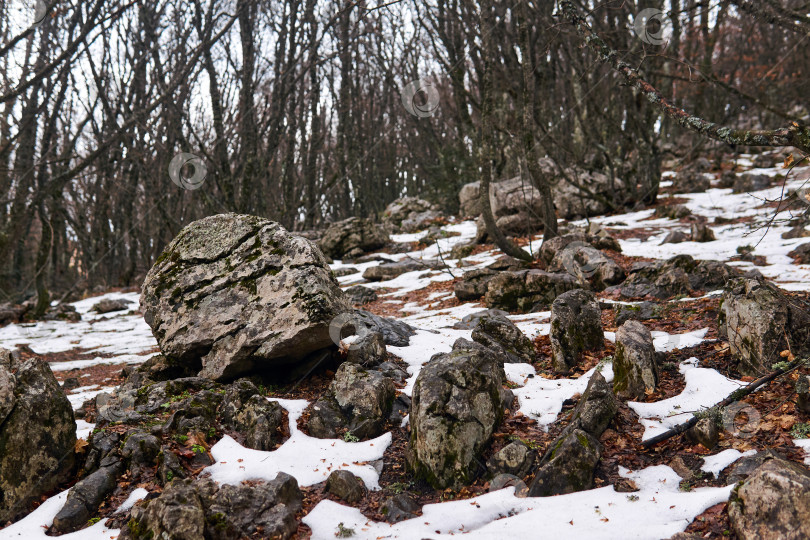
(139, 531)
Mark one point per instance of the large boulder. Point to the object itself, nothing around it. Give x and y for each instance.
(527, 290)
(505, 339)
(577, 193)
(236, 293)
(681, 274)
(410, 214)
(774, 502)
(469, 199)
(594, 237)
(37, 434)
(455, 408)
(760, 321)
(193, 509)
(588, 265)
(576, 327)
(635, 372)
(352, 238)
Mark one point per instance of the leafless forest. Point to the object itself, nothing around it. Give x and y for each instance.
(308, 112)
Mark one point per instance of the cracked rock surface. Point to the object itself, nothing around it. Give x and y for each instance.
(239, 293)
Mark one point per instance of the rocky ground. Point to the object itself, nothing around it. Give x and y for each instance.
(482, 396)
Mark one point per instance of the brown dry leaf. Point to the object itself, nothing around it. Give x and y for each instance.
(81, 444)
(788, 161)
(787, 421)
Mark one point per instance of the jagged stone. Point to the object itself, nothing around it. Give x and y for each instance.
(455, 408)
(37, 434)
(635, 372)
(576, 327)
(590, 267)
(515, 458)
(774, 502)
(757, 317)
(368, 350)
(352, 237)
(570, 466)
(527, 290)
(346, 486)
(473, 284)
(192, 509)
(505, 339)
(358, 400)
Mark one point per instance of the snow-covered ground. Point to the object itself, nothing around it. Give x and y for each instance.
(658, 510)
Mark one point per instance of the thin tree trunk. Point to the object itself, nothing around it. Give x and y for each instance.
(486, 151)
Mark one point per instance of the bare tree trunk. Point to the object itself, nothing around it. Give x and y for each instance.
(486, 151)
(538, 180)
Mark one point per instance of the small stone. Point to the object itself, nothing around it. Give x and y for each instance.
(505, 339)
(368, 350)
(676, 237)
(705, 433)
(399, 508)
(504, 480)
(515, 458)
(359, 295)
(701, 232)
(107, 306)
(346, 486)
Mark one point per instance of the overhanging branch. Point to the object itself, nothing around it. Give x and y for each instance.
(794, 135)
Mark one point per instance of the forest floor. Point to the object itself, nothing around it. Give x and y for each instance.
(638, 492)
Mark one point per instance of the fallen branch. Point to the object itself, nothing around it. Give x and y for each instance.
(736, 395)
